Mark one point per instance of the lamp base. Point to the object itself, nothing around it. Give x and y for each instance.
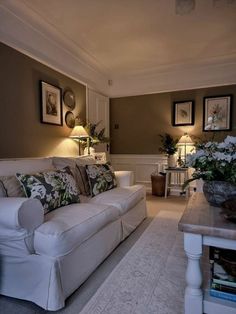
(89, 151)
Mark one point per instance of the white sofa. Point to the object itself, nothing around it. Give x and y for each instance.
(44, 258)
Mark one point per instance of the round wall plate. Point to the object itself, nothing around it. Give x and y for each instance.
(69, 99)
(70, 119)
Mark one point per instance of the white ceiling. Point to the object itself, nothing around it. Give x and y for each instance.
(134, 39)
(129, 37)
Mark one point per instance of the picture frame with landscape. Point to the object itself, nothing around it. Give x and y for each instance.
(51, 104)
(217, 113)
(183, 113)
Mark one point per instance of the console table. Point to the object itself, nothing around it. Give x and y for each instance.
(202, 224)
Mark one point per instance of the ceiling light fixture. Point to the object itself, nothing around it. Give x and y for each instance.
(183, 7)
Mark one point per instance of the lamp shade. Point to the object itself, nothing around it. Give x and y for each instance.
(79, 132)
(185, 140)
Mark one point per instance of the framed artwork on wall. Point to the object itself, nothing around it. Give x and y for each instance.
(183, 113)
(217, 113)
(51, 104)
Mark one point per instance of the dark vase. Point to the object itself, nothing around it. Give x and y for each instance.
(216, 192)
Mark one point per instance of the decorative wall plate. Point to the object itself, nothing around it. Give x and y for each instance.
(69, 99)
(70, 119)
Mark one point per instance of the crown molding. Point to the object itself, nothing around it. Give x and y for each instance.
(24, 30)
(185, 77)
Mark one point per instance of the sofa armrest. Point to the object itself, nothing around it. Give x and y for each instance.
(20, 212)
(124, 178)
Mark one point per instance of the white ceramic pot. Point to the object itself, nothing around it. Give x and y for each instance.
(171, 161)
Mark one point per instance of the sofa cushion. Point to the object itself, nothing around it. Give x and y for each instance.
(101, 178)
(68, 227)
(62, 162)
(11, 186)
(54, 188)
(85, 160)
(10, 167)
(124, 198)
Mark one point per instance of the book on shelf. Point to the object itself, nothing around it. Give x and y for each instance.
(223, 295)
(223, 265)
(223, 288)
(223, 279)
(219, 273)
(224, 282)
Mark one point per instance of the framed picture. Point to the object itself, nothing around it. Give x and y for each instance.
(51, 104)
(217, 113)
(183, 113)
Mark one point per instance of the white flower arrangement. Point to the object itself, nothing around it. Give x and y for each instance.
(214, 161)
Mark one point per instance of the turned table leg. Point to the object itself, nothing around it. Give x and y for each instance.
(193, 291)
(167, 183)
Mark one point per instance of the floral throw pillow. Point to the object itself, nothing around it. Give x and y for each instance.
(101, 178)
(53, 188)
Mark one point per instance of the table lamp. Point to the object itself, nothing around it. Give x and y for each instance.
(78, 133)
(184, 141)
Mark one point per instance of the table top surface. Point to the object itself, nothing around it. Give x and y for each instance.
(177, 169)
(200, 217)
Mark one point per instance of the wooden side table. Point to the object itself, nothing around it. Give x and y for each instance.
(180, 173)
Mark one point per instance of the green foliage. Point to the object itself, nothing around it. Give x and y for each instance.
(96, 136)
(169, 144)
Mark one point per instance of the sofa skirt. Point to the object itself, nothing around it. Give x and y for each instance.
(49, 281)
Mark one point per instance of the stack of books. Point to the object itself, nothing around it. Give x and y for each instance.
(223, 273)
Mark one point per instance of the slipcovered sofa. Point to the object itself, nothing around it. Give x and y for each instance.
(45, 257)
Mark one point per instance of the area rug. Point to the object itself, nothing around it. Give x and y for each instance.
(150, 277)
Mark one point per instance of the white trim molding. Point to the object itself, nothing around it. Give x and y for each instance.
(187, 76)
(23, 29)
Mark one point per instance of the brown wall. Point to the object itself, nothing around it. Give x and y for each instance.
(142, 118)
(21, 133)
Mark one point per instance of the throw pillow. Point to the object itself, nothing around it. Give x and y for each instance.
(54, 188)
(2, 190)
(12, 186)
(82, 180)
(62, 162)
(101, 178)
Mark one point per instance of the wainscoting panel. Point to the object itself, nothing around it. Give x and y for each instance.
(142, 166)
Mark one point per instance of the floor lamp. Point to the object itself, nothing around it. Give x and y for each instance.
(78, 133)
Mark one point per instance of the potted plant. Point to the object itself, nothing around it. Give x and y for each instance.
(215, 163)
(95, 137)
(169, 147)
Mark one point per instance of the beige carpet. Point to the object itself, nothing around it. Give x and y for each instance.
(150, 277)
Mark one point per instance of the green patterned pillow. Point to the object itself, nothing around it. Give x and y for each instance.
(101, 178)
(53, 188)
